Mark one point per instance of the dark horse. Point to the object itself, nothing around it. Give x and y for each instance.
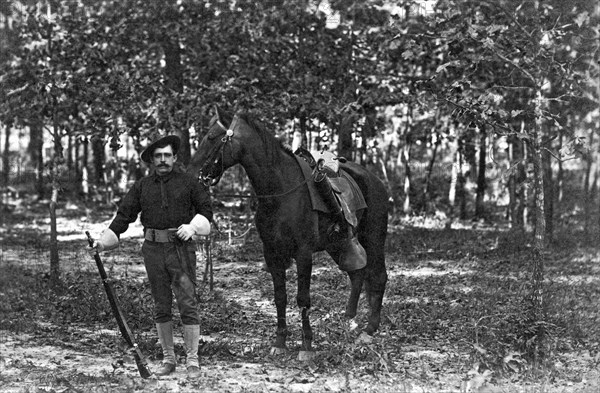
(287, 225)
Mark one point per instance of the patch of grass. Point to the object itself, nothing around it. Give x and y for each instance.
(25, 296)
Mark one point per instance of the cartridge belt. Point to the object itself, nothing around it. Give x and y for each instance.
(160, 235)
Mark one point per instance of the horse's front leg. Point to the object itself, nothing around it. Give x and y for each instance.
(304, 268)
(278, 276)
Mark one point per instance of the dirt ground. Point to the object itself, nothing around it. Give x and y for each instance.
(82, 363)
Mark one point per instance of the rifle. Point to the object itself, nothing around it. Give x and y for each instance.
(142, 365)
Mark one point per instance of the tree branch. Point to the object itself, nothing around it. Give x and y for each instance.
(518, 67)
(558, 157)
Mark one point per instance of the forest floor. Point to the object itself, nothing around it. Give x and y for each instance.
(455, 314)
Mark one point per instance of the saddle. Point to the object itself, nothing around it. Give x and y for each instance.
(333, 191)
(344, 186)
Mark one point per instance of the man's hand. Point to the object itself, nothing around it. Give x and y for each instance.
(198, 226)
(108, 241)
(185, 232)
(97, 247)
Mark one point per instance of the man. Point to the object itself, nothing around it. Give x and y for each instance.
(173, 207)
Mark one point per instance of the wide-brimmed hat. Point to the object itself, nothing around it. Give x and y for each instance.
(161, 140)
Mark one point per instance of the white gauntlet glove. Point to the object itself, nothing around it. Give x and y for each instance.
(198, 226)
(108, 241)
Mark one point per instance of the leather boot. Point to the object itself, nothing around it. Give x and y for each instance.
(165, 338)
(191, 336)
(352, 254)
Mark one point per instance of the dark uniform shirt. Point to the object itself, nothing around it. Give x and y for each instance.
(164, 201)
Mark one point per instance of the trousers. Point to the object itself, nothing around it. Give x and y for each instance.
(167, 276)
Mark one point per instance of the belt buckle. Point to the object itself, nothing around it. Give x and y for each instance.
(172, 236)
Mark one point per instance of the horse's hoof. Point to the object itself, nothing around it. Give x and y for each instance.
(364, 338)
(305, 356)
(278, 351)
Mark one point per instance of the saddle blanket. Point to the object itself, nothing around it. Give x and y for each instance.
(347, 192)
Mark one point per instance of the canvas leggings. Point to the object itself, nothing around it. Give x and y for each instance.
(167, 277)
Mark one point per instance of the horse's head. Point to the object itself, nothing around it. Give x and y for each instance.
(218, 150)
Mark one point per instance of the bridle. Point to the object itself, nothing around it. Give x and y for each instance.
(216, 155)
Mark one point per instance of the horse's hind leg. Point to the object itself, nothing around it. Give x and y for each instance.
(356, 284)
(375, 282)
(372, 237)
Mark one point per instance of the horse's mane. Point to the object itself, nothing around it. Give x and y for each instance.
(271, 143)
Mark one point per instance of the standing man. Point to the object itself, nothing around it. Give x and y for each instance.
(173, 207)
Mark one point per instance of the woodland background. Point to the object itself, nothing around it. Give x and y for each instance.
(481, 116)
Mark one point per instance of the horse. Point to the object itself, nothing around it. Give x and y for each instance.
(288, 226)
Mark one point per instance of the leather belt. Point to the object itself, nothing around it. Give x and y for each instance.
(160, 235)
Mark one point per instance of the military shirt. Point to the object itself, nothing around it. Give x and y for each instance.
(164, 202)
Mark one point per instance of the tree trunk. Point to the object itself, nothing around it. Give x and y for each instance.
(86, 152)
(462, 192)
(76, 163)
(524, 205)
(404, 158)
(36, 147)
(425, 197)
(69, 152)
(538, 174)
(407, 173)
(6, 156)
(363, 150)
(481, 183)
(85, 173)
(548, 194)
(512, 186)
(587, 191)
(598, 176)
(454, 169)
(470, 157)
(538, 294)
(560, 175)
(57, 160)
(345, 144)
(298, 138)
(453, 179)
(174, 81)
(99, 158)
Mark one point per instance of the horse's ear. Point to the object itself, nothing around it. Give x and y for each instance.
(216, 109)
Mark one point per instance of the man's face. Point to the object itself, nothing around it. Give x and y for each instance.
(163, 159)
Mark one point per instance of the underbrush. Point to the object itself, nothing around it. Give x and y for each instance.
(80, 297)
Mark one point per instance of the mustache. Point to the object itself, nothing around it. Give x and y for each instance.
(163, 165)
